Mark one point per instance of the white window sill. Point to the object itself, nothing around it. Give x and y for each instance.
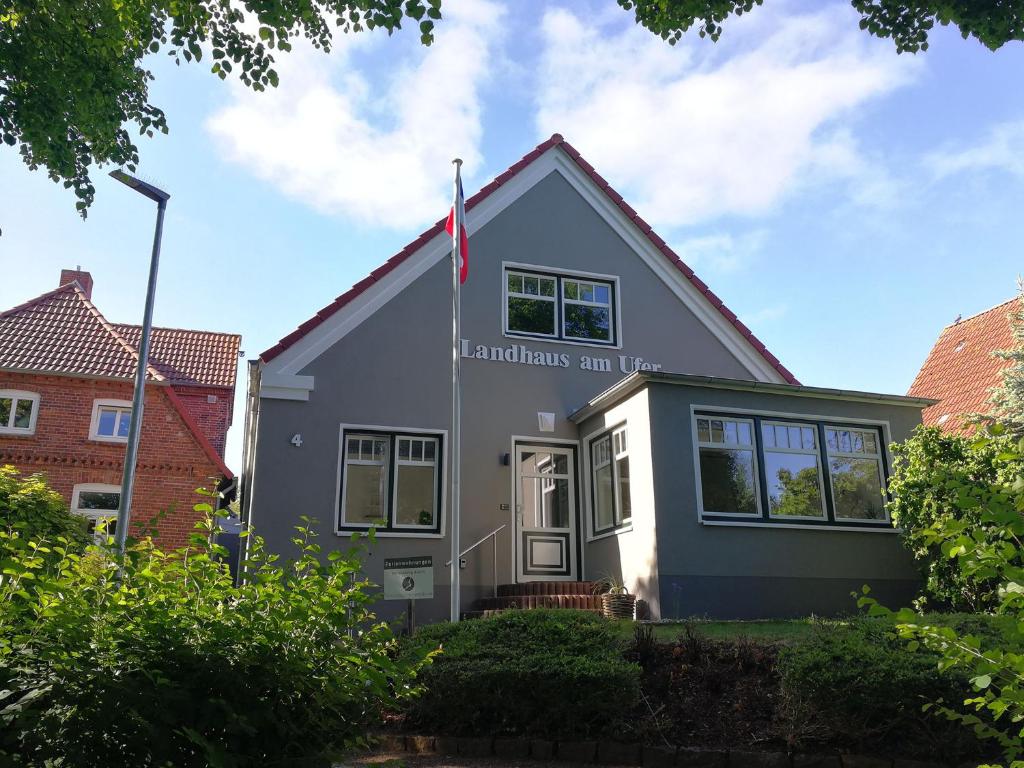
(12, 432)
(873, 528)
(391, 534)
(611, 533)
(102, 439)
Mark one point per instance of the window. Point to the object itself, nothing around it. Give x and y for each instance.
(98, 503)
(391, 481)
(799, 471)
(609, 457)
(856, 473)
(562, 307)
(18, 412)
(110, 420)
(792, 470)
(727, 466)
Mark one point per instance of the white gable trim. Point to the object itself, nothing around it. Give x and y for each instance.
(337, 326)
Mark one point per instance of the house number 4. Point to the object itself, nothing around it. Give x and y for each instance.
(296, 440)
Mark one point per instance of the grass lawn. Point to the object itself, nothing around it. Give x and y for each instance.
(781, 630)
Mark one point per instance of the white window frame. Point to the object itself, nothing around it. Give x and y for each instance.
(698, 444)
(390, 433)
(580, 282)
(815, 452)
(97, 405)
(619, 523)
(15, 395)
(877, 457)
(559, 337)
(553, 299)
(92, 514)
(410, 462)
(385, 479)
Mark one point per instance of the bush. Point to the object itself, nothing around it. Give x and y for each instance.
(36, 511)
(855, 685)
(161, 660)
(537, 673)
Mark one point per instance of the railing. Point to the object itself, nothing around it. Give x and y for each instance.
(493, 536)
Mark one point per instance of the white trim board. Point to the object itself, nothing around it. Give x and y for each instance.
(554, 160)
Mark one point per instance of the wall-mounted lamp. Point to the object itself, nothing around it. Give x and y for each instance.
(506, 459)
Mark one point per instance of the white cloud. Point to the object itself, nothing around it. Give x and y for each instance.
(765, 315)
(376, 151)
(722, 252)
(695, 132)
(1002, 150)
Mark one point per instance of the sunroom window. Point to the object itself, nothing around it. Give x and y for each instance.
(792, 470)
(855, 470)
(728, 466)
(612, 506)
(18, 412)
(568, 308)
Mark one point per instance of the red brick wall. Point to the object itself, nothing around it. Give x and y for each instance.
(171, 463)
(213, 418)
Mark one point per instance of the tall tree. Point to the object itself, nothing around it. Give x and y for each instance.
(73, 84)
(1007, 399)
(906, 22)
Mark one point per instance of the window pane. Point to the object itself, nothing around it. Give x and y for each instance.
(23, 414)
(403, 449)
(556, 503)
(717, 432)
(417, 450)
(584, 322)
(808, 440)
(845, 443)
(107, 422)
(531, 315)
(561, 463)
(731, 433)
(625, 508)
(429, 448)
(768, 435)
(602, 294)
(781, 437)
(603, 515)
(793, 487)
(832, 439)
(857, 489)
(547, 287)
(364, 501)
(745, 433)
(123, 422)
(515, 283)
(5, 411)
(858, 442)
(531, 286)
(101, 525)
(870, 445)
(703, 431)
(379, 450)
(353, 448)
(415, 504)
(571, 289)
(586, 292)
(727, 480)
(101, 500)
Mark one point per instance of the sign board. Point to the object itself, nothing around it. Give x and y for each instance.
(408, 578)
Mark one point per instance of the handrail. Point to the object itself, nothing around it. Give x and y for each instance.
(493, 536)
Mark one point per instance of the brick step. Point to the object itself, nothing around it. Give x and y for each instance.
(486, 614)
(547, 588)
(579, 602)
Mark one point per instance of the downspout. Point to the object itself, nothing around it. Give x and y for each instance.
(246, 483)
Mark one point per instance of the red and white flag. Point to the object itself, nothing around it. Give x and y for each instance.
(457, 219)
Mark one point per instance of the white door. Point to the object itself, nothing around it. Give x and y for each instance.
(545, 513)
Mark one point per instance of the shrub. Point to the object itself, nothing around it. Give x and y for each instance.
(35, 510)
(536, 672)
(161, 660)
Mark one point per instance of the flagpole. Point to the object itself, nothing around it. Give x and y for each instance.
(456, 452)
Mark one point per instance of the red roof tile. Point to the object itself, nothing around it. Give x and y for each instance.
(961, 369)
(186, 356)
(556, 140)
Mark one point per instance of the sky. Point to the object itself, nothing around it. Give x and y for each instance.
(845, 201)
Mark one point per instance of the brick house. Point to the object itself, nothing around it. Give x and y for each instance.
(962, 368)
(66, 381)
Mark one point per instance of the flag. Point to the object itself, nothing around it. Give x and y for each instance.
(457, 217)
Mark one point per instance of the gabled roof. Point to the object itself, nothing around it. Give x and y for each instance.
(184, 356)
(961, 369)
(555, 141)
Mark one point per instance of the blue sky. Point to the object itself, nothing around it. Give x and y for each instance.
(846, 202)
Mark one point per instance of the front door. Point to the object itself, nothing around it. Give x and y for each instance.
(545, 513)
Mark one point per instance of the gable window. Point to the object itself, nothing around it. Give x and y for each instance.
(110, 420)
(18, 411)
(98, 503)
(728, 466)
(391, 481)
(609, 458)
(564, 307)
(792, 470)
(855, 470)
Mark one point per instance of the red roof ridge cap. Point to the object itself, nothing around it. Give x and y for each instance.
(977, 315)
(109, 327)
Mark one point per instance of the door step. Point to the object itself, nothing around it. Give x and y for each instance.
(577, 602)
(548, 588)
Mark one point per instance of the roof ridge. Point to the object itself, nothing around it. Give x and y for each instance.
(184, 330)
(37, 300)
(109, 327)
(556, 140)
(976, 315)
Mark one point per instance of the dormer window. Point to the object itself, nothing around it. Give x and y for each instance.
(18, 412)
(579, 309)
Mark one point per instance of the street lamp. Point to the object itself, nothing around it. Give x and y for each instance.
(159, 197)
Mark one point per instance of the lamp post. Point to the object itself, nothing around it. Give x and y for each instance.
(124, 506)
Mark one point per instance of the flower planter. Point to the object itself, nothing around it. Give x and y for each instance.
(618, 606)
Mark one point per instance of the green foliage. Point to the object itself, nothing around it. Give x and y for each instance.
(161, 660)
(1007, 400)
(29, 506)
(906, 22)
(936, 484)
(537, 673)
(982, 538)
(73, 84)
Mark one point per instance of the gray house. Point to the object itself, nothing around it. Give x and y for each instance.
(618, 420)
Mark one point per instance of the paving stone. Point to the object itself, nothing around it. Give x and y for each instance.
(616, 753)
(476, 747)
(701, 758)
(865, 761)
(659, 757)
(446, 745)
(541, 749)
(514, 748)
(420, 745)
(577, 751)
(758, 760)
(816, 761)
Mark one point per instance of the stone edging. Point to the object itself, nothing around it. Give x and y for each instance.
(615, 753)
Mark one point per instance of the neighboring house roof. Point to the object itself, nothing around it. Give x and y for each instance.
(555, 141)
(184, 356)
(961, 369)
(62, 332)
